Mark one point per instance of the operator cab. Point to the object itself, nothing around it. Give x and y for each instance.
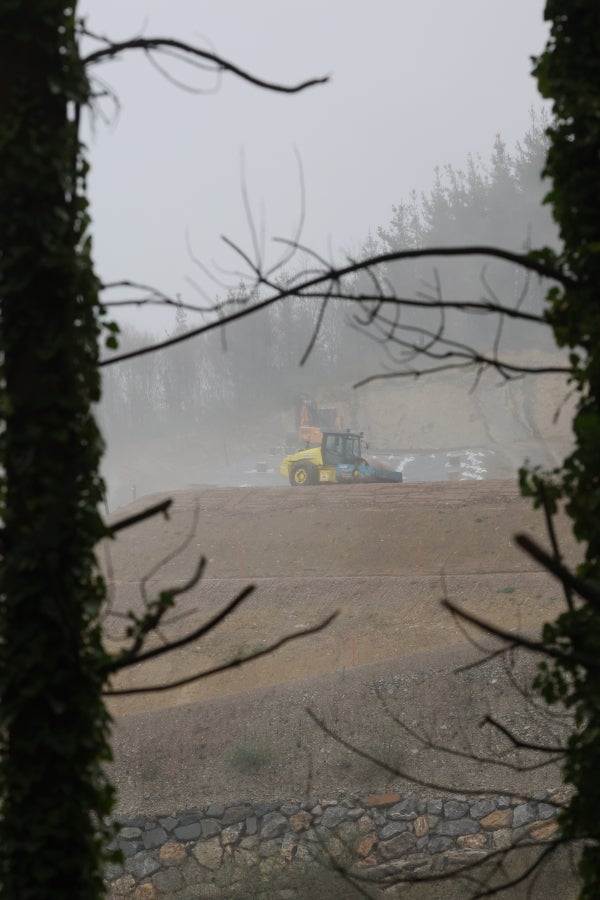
(340, 446)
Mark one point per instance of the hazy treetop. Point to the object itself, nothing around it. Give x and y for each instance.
(414, 85)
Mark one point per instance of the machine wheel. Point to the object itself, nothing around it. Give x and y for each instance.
(302, 474)
(356, 474)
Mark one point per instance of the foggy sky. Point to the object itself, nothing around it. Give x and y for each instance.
(415, 84)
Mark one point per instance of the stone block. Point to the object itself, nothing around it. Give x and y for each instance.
(398, 845)
(421, 826)
(172, 853)
(392, 829)
(354, 813)
(209, 853)
(289, 809)
(189, 817)
(546, 810)
(456, 827)
(154, 838)
(524, 813)
(168, 881)
(273, 825)
(455, 809)
(261, 809)
(127, 848)
(141, 865)
(300, 821)
(562, 796)
(332, 816)
(482, 807)
(464, 857)
(232, 833)
(122, 887)
(145, 892)
(438, 844)
(472, 841)
(129, 833)
(209, 828)
(435, 807)
(502, 839)
(542, 830)
(365, 845)
(188, 832)
(364, 824)
(215, 811)
(501, 818)
(235, 814)
(405, 810)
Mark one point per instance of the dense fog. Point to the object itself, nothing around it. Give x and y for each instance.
(184, 415)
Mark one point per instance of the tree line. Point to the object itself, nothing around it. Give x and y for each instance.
(251, 368)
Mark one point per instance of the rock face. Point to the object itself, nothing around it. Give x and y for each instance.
(378, 835)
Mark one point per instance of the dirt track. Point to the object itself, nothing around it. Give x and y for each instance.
(383, 555)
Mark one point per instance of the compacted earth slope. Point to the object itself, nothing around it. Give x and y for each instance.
(383, 556)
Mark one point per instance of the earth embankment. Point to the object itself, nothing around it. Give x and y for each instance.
(383, 556)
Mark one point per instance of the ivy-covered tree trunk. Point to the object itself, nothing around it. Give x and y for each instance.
(569, 74)
(54, 728)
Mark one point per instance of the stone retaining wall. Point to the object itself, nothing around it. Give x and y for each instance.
(218, 851)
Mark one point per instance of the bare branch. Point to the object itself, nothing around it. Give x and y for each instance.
(393, 770)
(218, 63)
(517, 742)
(586, 591)
(430, 744)
(224, 667)
(520, 639)
(324, 279)
(158, 508)
(132, 657)
(476, 360)
(169, 557)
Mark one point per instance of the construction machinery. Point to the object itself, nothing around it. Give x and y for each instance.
(312, 419)
(337, 459)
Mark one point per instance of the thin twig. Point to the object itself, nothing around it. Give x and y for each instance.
(224, 667)
(520, 639)
(132, 657)
(158, 508)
